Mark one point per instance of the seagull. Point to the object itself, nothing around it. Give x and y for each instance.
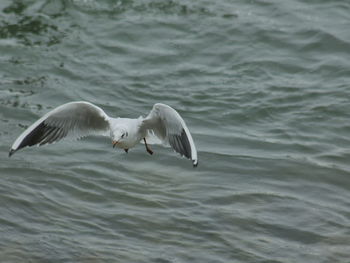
(78, 119)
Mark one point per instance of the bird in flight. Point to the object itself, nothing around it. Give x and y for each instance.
(163, 125)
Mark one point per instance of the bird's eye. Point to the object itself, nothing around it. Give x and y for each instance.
(123, 135)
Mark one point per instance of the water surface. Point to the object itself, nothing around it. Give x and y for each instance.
(264, 89)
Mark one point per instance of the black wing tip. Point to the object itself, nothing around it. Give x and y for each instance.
(11, 152)
(195, 163)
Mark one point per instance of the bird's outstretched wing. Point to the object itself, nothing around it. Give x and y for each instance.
(74, 119)
(167, 124)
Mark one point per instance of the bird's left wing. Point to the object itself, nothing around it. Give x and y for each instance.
(73, 119)
(167, 124)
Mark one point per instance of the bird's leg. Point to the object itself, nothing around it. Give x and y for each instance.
(147, 148)
(126, 150)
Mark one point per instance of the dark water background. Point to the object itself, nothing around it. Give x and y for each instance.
(264, 87)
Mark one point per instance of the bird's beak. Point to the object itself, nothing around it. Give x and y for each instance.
(114, 143)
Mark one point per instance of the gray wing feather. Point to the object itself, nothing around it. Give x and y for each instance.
(74, 120)
(167, 124)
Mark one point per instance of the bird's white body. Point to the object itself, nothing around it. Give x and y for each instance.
(129, 126)
(79, 119)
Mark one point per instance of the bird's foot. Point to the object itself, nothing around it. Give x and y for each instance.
(149, 151)
(147, 148)
(126, 150)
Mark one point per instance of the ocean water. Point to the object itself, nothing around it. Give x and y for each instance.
(264, 87)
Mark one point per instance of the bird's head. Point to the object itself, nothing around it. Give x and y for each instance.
(119, 136)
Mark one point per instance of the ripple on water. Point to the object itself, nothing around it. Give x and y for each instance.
(263, 89)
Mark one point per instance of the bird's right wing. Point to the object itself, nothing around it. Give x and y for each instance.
(73, 119)
(168, 126)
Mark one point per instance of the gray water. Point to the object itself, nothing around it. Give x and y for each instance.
(264, 87)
